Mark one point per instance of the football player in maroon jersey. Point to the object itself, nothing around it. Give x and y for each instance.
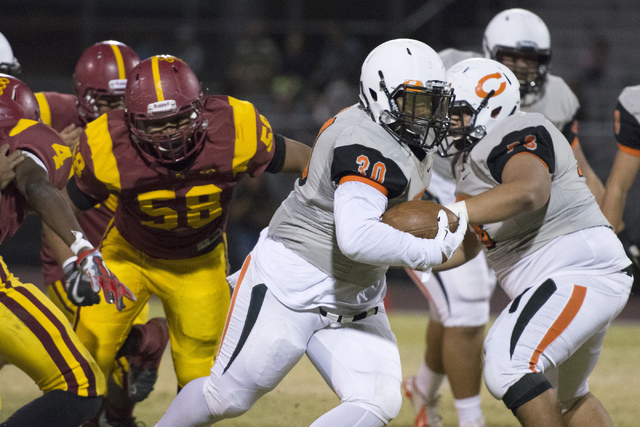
(35, 336)
(99, 81)
(172, 158)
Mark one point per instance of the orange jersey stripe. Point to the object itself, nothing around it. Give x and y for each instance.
(631, 151)
(562, 322)
(365, 180)
(531, 154)
(245, 267)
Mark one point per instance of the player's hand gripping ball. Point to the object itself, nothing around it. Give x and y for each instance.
(419, 218)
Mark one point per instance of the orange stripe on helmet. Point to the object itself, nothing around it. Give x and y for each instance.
(156, 78)
(416, 83)
(479, 87)
(121, 72)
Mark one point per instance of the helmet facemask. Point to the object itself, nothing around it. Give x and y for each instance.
(90, 104)
(418, 115)
(529, 64)
(169, 138)
(463, 133)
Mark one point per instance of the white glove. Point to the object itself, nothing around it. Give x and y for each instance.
(459, 208)
(448, 240)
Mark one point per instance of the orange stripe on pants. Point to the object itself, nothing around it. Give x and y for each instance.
(245, 266)
(562, 322)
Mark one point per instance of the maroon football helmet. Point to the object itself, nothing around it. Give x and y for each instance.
(14, 91)
(101, 73)
(163, 106)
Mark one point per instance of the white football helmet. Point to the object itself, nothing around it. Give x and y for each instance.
(487, 92)
(517, 34)
(8, 63)
(403, 88)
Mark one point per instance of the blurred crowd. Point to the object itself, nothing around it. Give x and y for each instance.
(297, 90)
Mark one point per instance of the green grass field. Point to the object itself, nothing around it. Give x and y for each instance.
(303, 396)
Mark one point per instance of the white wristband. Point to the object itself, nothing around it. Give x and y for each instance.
(80, 242)
(459, 208)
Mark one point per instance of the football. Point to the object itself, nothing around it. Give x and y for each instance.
(418, 217)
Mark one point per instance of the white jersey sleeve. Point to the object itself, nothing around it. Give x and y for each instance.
(559, 105)
(364, 238)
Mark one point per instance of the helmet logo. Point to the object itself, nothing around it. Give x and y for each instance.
(162, 107)
(3, 84)
(117, 86)
(479, 87)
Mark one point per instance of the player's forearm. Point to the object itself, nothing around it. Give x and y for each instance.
(469, 249)
(54, 210)
(503, 202)
(362, 237)
(296, 157)
(613, 206)
(59, 249)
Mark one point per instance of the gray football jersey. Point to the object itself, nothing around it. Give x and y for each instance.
(558, 104)
(571, 205)
(450, 56)
(349, 146)
(627, 120)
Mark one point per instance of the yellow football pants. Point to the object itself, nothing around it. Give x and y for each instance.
(36, 337)
(194, 294)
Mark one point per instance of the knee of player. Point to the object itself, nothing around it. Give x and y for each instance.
(525, 389)
(385, 403)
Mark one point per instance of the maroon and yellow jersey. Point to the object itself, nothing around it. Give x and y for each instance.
(58, 110)
(45, 143)
(167, 214)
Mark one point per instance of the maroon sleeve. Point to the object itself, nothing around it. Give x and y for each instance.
(266, 146)
(45, 143)
(84, 178)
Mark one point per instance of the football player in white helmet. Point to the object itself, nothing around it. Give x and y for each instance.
(317, 275)
(520, 40)
(548, 242)
(459, 299)
(8, 63)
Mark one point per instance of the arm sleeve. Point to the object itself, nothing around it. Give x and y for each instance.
(531, 140)
(280, 150)
(362, 237)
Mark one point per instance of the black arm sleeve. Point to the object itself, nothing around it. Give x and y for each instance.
(532, 140)
(280, 153)
(80, 199)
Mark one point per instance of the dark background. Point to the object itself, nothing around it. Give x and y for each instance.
(596, 49)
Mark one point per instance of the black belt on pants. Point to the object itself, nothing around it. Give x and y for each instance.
(348, 319)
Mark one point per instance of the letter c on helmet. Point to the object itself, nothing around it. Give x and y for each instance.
(482, 93)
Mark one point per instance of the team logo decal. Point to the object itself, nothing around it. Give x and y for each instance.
(482, 93)
(3, 84)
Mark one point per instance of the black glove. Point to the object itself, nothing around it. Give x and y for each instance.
(78, 285)
(630, 247)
